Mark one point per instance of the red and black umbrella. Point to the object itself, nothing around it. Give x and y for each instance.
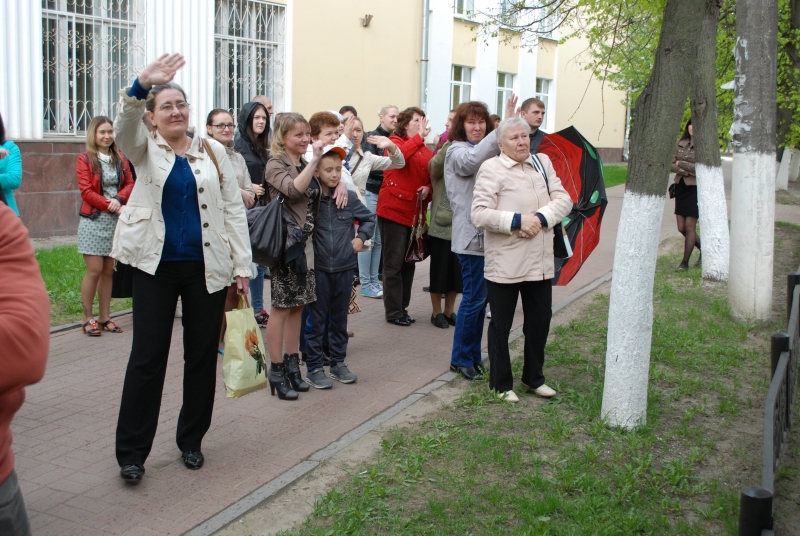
(578, 165)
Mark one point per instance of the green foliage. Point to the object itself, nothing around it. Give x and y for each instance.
(789, 72)
(614, 174)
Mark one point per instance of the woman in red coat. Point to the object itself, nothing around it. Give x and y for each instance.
(105, 182)
(397, 204)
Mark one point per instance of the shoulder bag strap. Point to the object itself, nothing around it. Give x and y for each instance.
(540, 168)
(212, 156)
(357, 164)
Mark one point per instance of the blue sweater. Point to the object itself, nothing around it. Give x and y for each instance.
(183, 233)
(11, 173)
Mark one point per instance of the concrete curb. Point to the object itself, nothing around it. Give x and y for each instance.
(73, 325)
(279, 484)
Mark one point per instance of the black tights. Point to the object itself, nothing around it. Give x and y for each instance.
(687, 226)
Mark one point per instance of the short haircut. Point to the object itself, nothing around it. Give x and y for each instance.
(150, 104)
(512, 122)
(385, 110)
(350, 109)
(320, 120)
(468, 110)
(495, 118)
(527, 103)
(284, 123)
(405, 117)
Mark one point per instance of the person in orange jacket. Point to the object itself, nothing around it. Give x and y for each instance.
(25, 342)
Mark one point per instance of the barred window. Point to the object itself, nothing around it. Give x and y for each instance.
(91, 49)
(249, 41)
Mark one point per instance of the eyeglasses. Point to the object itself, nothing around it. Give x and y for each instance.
(223, 126)
(168, 106)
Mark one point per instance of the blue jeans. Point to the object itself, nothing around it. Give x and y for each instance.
(368, 261)
(471, 313)
(257, 287)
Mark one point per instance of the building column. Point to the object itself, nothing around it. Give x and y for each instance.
(21, 100)
(484, 76)
(440, 62)
(186, 27)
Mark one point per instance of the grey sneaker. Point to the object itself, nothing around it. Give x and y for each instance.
(340, 373)
(318, 380)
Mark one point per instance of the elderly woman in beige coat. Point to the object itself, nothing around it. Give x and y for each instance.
(518, 208)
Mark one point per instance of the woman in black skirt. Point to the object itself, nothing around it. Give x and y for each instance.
(445, 270)
(686, 211)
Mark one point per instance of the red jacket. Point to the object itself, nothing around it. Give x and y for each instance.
(398, 196)
(24, 326)
(91, 189)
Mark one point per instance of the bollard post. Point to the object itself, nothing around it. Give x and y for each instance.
(792, 280)
(779, 344)
(755, 511)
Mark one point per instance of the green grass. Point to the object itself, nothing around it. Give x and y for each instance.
(63, 269)
(484, 466)
(614, 174)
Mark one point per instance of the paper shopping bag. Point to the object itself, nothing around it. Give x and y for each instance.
(243, 367)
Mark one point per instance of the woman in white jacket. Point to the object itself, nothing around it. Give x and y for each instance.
(184, 230)
(358, 165)
(517, 209)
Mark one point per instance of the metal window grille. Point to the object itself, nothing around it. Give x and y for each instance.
(91, 49)
(460, 85)
(505, 84)
(249, 41)
(543, 90)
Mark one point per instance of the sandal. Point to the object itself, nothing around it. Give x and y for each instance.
(115, 329)
(93, 330)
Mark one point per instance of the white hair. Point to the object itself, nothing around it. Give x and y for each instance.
(512, 122)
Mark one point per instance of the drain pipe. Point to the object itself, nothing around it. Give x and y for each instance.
(423, 89)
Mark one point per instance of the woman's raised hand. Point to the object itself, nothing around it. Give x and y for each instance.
(381, 142)
(426, 127)
(161, 71)
(511, 107)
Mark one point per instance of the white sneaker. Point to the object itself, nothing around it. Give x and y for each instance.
(178, 312)
(378, 289)
(509, 396)
(488, 314)
(544, 391)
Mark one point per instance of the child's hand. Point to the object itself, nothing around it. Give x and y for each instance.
(357, 245)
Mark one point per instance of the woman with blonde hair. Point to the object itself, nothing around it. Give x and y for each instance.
(105, 182)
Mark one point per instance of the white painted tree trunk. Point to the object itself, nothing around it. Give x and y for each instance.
(752, 235)
(782, 180)
(794, 168)
(630, 312)
(713, 221)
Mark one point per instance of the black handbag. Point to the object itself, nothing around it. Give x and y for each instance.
(267, 232)
(559, 246)
(672, 188)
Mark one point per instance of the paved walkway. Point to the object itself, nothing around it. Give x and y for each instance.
(64, 434)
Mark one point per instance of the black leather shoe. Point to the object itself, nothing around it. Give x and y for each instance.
(399, 322)
(451, 319)
(469, 373)
(480, 369)
(193, 459)
(440, 321)
(409, 319)
(132, 473)
(426, 289)
(291, 364)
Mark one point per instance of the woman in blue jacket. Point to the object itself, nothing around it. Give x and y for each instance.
(10, 168)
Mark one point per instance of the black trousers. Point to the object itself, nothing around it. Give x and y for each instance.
(537, 301)
(329, 317)
(154, 301)
(398, 275)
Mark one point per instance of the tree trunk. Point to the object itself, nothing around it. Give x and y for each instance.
(656, 129)
(708, 166)
(753, 185)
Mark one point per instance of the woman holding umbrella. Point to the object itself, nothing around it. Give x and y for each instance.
(512, 204)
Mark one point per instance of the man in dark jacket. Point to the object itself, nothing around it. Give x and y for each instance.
(532, 110)
(335, 248)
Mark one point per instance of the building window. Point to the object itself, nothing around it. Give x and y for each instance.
(465, 8)
(460, 83)
(505, 85)
(543, 90)
(91, 50)
(250, 53)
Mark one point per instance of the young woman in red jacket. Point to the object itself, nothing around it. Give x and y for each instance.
(397, 205)
(105, 182)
